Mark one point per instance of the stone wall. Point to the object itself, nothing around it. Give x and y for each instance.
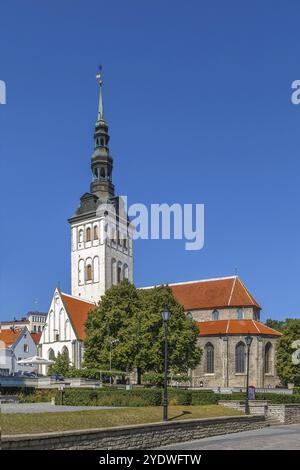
(134, 437)
(224, 363)
(287, 414)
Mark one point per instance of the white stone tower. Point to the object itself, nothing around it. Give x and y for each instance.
(101, 236)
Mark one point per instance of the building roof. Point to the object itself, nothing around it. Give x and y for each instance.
(15, 322)
(235, 327)
(77, 310)
(213, 293)
(36, 337)
(9, 337)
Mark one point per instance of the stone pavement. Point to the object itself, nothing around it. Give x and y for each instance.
(285, 437)
(46, 408)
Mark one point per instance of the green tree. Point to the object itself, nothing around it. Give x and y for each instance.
(279, 325)
(132, 319)
(287, 371)
(61, 365)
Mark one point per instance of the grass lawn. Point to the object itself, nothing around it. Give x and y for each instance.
(46, 422)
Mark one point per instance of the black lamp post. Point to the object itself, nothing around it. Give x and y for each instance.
(166, 315)
(248, 340)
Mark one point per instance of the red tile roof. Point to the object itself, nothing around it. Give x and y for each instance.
(8, 337)
(36, 337)
(77, 310)
(235, 327)
(213, 293)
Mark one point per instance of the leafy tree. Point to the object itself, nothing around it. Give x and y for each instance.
(127, 324)
(61, 365)
(279, 325)
(287, 371)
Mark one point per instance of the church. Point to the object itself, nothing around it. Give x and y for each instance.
(102, 255)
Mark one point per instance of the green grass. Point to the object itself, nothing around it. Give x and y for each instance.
(47, 422)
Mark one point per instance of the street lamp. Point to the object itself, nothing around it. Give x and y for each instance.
(111, 342)
(248, 340)
(165, 316)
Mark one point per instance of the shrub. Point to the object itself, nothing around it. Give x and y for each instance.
(179, 397)
(113, 397)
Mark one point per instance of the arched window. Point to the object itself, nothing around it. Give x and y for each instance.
(102, 172)
(80, 236)
(51, 355)
(215, 315)
(268, 358)
(67, 331)
(89, 272)
(81, 272)
(125, 271)
(65, 352)
(240, 356)
(96, 269)
(113, 271)
(88, 235)
(209, 358)
(240, 313)
(96, 232)
(119, 272)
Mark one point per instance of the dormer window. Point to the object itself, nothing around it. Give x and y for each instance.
(215, 315)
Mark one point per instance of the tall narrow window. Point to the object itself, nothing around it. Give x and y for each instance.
(215, 315)
(119, 272)
(209, 359)
(89, 274)
(88, 235)
(96, 232)
(80, 236)
(125, 271)
(51, 355)
(268, 356)
(240, 356)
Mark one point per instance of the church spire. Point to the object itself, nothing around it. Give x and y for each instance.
(100, 107)
(102, 162)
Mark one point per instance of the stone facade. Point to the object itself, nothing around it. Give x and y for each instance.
(225, 374)
(134, 437)
(228, 313)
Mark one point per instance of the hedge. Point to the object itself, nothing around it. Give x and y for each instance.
(98, 397)
(29, 394)
(274, 398)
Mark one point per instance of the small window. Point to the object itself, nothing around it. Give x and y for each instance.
(240, 313)
(80, 236)
(215, 315)
(26, 348)
(125, 243)
(88, 234)
(34, 328)
(95, 232)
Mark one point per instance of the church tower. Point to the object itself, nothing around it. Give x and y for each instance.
(101, 235)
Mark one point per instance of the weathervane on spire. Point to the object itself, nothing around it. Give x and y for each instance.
(100, 108)
(99, 75)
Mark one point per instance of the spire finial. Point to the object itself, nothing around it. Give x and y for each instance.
(100, 109)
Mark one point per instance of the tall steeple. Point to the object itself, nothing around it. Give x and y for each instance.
(102, 162)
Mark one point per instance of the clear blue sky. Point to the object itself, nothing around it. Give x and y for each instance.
(197, 96)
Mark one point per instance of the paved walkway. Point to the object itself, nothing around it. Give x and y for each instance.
(285, 437)
(46, 408)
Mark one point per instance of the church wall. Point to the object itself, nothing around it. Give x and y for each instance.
(225, 374)
(58, 332)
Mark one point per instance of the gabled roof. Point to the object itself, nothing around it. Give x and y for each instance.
(77, 310)
(36, 337)
(9, 337)
(213, 293)
(235, 327)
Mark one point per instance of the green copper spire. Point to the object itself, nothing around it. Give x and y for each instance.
(102, 162)
(100, 108)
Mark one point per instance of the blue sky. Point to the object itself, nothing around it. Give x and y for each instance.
(198, 102)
